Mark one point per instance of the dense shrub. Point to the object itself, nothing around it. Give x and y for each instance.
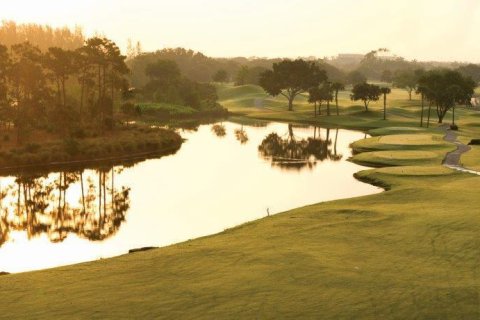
(475, 142)
(72, 146)
(32, 147)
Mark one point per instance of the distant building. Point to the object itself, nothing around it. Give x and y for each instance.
(347, 61)
(388, 57)
(350, 57)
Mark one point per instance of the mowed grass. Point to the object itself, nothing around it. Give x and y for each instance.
(251, 101)
(397, 158)
(471, 159)
(412, 252)
(400, 141)
(396, 130)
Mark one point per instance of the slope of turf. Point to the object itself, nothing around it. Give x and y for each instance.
(412, 252)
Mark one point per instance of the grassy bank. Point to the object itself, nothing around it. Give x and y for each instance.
(169, 112)
(412, 252)
(43, 149)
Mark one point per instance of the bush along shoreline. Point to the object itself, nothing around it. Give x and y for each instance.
(122, 143)
(171, 112)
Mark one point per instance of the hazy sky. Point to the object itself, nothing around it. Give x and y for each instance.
(421, 29)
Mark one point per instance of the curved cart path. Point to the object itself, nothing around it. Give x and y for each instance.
(452, 159)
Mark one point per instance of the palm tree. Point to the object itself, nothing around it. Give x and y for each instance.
(337, 86)
(385, 91)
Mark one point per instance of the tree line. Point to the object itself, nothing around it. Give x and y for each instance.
(198, 67)
(167, 84)
(374, 66)
(42, 36)
(442, 89)
(60, 89)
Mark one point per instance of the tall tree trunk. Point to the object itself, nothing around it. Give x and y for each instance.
(315, 106)
(290, 102)
(328, 107)
(421, 115)
(440, 115)
(429, 112)
(366, 105)
(453, 115)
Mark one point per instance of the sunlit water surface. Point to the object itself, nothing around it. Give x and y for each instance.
(223, 175)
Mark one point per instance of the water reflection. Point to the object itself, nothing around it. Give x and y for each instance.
(64, 203)
(293, 152)
(241, 135)
(69, 216)
(219, 130)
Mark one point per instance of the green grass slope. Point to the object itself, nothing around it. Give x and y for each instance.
(412, 252)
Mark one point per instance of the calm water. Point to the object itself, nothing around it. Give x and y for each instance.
(224, 175)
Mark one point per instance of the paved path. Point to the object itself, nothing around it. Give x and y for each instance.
(452, 159)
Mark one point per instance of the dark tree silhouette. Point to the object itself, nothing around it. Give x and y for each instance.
(319, 95)
(220, 76)
(366, 93)
(290, 78)
(337, 87)
(445, 88)
(61, 65)
(470, 70)
(242, 75)
(407, 80)
(356, 77)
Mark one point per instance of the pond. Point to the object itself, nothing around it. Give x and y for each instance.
(225, 174)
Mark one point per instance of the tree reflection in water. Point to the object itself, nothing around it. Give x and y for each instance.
(90, 207)
(241, 135)
(294, 153)
(219, 130)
